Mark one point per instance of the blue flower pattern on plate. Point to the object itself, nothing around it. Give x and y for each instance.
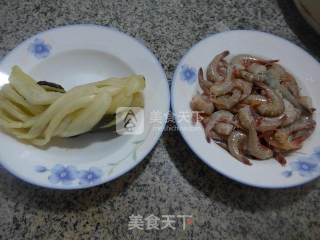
(287, 173)
(40, 169)
(67, 175)
(316, 154)
(91, 176)
(63, 174)
(188, 74)
(305, 166)
(39, 48)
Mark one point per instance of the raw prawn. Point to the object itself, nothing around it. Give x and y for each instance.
(219, 116)
(274, 106)
(222, 87)
(227, 101)
(216, 69)
(244, 86)
(201, 103)
(291, 113)
(236, 140)
(243, 61)
(255, 148)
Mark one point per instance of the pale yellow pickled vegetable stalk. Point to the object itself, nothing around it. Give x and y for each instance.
(37, 113)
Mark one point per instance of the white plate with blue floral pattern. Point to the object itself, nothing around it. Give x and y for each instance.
(304, 165)
(70, 56)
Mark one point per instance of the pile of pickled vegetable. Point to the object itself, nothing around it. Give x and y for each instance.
(38, 111)
(252, 107)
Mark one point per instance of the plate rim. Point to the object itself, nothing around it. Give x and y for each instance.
(138, 160)
(189, 144)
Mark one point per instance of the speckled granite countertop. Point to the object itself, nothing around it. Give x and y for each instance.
(171, 180)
